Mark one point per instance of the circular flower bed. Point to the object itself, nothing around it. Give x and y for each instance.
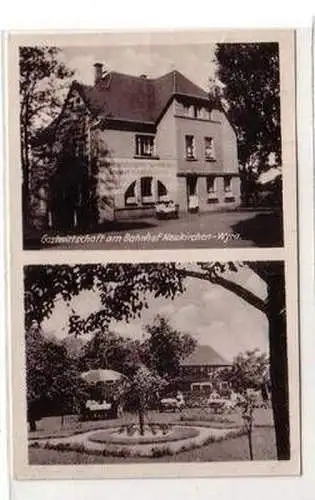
(116, 436)
(179, 438)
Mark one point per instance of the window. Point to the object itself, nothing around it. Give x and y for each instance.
(211, 184)
(205, 114)
(229, 197)
(144, 145)
(146, 189)
(227, 184)
(162, 191)
(186, 110)
(190, 147)
(189, 110)
(209, 148)
(198, 112)
(212, 189)
(130, 194)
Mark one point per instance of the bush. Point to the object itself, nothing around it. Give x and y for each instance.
(36, 444)
(161, 452)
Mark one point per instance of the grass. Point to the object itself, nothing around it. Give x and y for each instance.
(263, 418)
(234, 448)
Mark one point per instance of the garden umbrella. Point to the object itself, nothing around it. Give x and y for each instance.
(94, 376)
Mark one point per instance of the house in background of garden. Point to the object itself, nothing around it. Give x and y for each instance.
(199, 369)
(128, 142)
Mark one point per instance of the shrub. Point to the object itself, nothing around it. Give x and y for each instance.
(161, 452)
(35, 444)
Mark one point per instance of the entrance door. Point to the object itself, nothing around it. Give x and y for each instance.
(192, 195)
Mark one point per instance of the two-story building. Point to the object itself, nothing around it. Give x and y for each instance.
(128, 142)
(199, 369)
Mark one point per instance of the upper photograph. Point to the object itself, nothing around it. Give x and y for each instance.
(151, 145)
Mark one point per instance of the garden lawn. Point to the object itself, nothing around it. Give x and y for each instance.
(51, 427)
(233, 449)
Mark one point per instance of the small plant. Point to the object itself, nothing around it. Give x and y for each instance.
(153, 428)
(122, 452)
(79, 447)
(36, 444)
(165, 428)
(247, 403)
(161, 452)
(131, 429)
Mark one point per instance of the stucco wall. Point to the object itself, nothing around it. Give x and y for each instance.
(199, 129)
(121, 144)
(166, 144)
(229, 143)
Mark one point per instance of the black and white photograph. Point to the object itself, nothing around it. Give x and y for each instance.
(151, 146)
(171, 347)
(156, 363)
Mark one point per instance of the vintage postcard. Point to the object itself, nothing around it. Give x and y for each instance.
(149, 143)
(161, 338)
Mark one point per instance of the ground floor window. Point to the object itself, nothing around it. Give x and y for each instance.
(146, 189)
(227, 184)
(212, 189)
(211, 185)
(130, 194)
(162, 191)
(229, 197)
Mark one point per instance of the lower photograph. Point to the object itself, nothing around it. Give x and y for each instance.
(160, 364)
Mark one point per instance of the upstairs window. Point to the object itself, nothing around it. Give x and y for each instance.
(145, 145)
(198, 112)
(189, 110)
(190, 147)
(205, 114)
(209, 149)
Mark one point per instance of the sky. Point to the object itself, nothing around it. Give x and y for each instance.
(211, 314)
(195, 61)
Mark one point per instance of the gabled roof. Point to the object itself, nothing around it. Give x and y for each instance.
(137, 98)
(118, 97)
(204, 355)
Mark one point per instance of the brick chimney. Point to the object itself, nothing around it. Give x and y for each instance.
(98, 72)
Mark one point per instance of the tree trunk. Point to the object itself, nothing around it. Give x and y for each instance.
(33, 426)
(250, 441)
(279, 366)
(141, 421)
